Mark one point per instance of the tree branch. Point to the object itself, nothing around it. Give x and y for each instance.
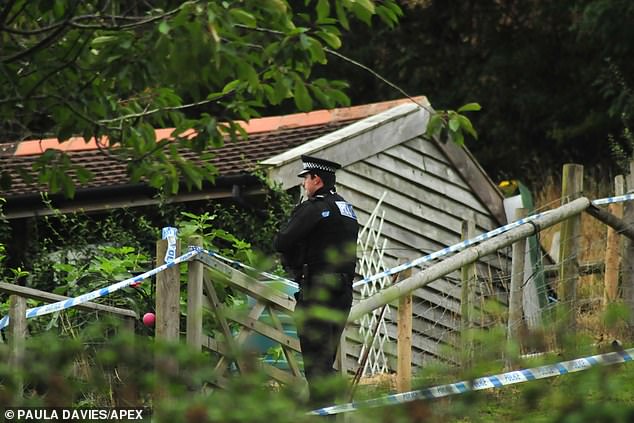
(143, 21)
(7, 8)
(376, 75)
(58, 69)
(10, 100)
(349, 60)
(40, 45)
(44, 42)
(32, 32)
(161, 109)
(67, 103)
(75, 23)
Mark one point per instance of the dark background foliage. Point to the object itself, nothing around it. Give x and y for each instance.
(552, 77)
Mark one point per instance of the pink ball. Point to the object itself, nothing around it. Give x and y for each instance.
(149, 319)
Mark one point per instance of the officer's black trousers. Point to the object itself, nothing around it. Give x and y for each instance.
(322, 309)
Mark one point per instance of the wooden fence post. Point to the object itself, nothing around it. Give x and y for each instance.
(627, 264)
(612, 249)
(167, 325)
(517, 280)
(467, 303)
(404, 341)
(126, 393)
(167, 296)
(571, 189)
(17, 335)
(195, 299)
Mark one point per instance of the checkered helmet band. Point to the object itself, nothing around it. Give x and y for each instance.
(318, 166)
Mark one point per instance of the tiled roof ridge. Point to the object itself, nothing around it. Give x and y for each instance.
(254, 126)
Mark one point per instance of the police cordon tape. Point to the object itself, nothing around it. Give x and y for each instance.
(467, 243)
(102, 292)
(424, 259)
(612, 200)
(235, 263)
(451, 249)
(193, 252)
(170, 235)
(486, 382)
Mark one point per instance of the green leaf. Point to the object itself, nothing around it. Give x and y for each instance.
(67, 186)
(304, 41)
(323, 9)
(157, 180)
(457, 138)
(339, 96)
(434, 125)
(466, 125)
(454, 124)
(191, 175)
(282, 88)
(231, 86)
(58, 9)
(303, 101)
(331, 39)
(5, 180)
(341, 15)
(363, 9)
(321, 96)
(164, 27)
(84, 175)
(104, 39)
(243, 17)
(470, 107)
(65, 132)
(269, 92)
(367, 5)
(316, 50)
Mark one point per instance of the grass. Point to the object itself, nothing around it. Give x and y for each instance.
(603, 393)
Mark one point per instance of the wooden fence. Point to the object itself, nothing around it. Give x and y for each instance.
(18, 331)
(206, 274)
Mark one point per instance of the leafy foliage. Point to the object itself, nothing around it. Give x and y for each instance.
(120, 69)
(102, 365)
(72, 254)
(452, 125)
(538, 69)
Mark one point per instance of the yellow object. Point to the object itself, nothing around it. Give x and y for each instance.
(509, 188)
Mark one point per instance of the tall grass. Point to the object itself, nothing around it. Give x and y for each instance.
(598, 183)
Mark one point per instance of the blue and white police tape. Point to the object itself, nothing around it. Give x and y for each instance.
(453, 248)
(464, 244)
(487, 382)
(611, 200)
(236, 263)
(170, 234)
(72, 302)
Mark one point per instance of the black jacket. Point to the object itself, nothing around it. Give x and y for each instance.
(322, 233)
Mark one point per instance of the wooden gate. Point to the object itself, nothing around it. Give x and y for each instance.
(268, 307)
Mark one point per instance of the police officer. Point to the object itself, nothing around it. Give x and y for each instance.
(318, 246)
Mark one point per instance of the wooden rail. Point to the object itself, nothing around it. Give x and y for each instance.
(48, 297)
(232, 345)
(18, 324)
(467, 256)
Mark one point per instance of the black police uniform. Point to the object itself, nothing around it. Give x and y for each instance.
(318, 245)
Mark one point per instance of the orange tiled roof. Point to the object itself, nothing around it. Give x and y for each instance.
(268, 137)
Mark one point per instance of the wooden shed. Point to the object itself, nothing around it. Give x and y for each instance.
(428, 188)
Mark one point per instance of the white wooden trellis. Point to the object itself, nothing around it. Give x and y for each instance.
(372, 247)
